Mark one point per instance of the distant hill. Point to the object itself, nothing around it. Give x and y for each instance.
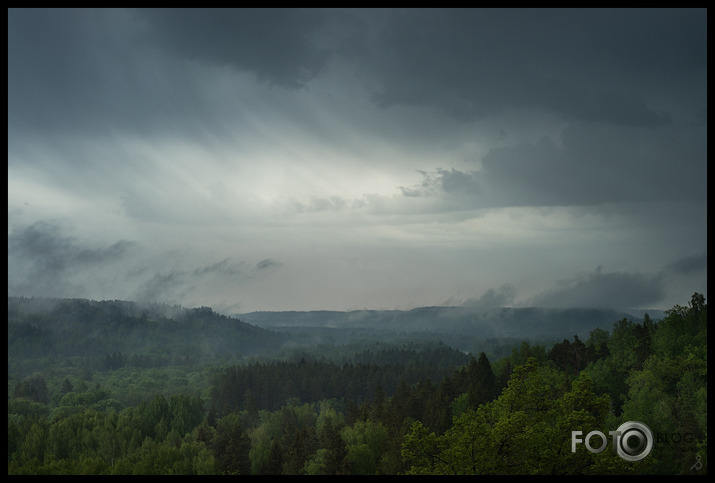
(523, 323)
(48, 327)
(39, 327)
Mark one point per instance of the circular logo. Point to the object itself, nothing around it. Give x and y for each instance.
(634, 441)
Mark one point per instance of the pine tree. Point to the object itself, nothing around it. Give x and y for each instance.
(378, 404)
(274, 465)
(336, 456)
(231, 446)
(482, 388)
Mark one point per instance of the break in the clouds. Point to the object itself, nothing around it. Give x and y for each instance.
(272, 159)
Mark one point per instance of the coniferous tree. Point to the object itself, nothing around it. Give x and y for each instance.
(231, 446)
(274, 464)
(524, 431)
(378, 404)
(482, 381)
(66, 386)
(336, 456)
(252, 408)
(297, 453)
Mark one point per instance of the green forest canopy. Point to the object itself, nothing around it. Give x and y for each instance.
(413, 409)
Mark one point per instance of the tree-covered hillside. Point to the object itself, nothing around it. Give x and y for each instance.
(402, 408)
(534, 323)
(41, 327)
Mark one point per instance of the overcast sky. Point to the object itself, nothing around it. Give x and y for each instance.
(349, 159)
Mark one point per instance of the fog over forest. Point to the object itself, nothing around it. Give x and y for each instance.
(357, 241)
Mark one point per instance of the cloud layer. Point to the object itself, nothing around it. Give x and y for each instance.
(356, 158)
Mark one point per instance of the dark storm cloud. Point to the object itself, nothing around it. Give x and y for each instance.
(60, 69)
(601, 289)
(628, 165)
(475, 62)
(103, 69)
(688, 265)
(274, 43)
(303, 135)
(99, 71)
(113, 71)
(41, 260)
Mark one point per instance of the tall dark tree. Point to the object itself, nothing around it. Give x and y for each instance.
(34, 389)
(569, 357)
(274, 464)
(378, 404)
(251, 408)
(231, 446)
(438, 415)
(297, 453)
(578, 349)
(643, 334)
(482, 383)
(336, 457)
(352, 412)
(66, 386)
(597, 345)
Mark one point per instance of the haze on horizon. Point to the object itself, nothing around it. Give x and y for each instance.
(341, 159)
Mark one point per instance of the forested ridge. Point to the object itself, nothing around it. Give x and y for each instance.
(78, 327)
(186, 391)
